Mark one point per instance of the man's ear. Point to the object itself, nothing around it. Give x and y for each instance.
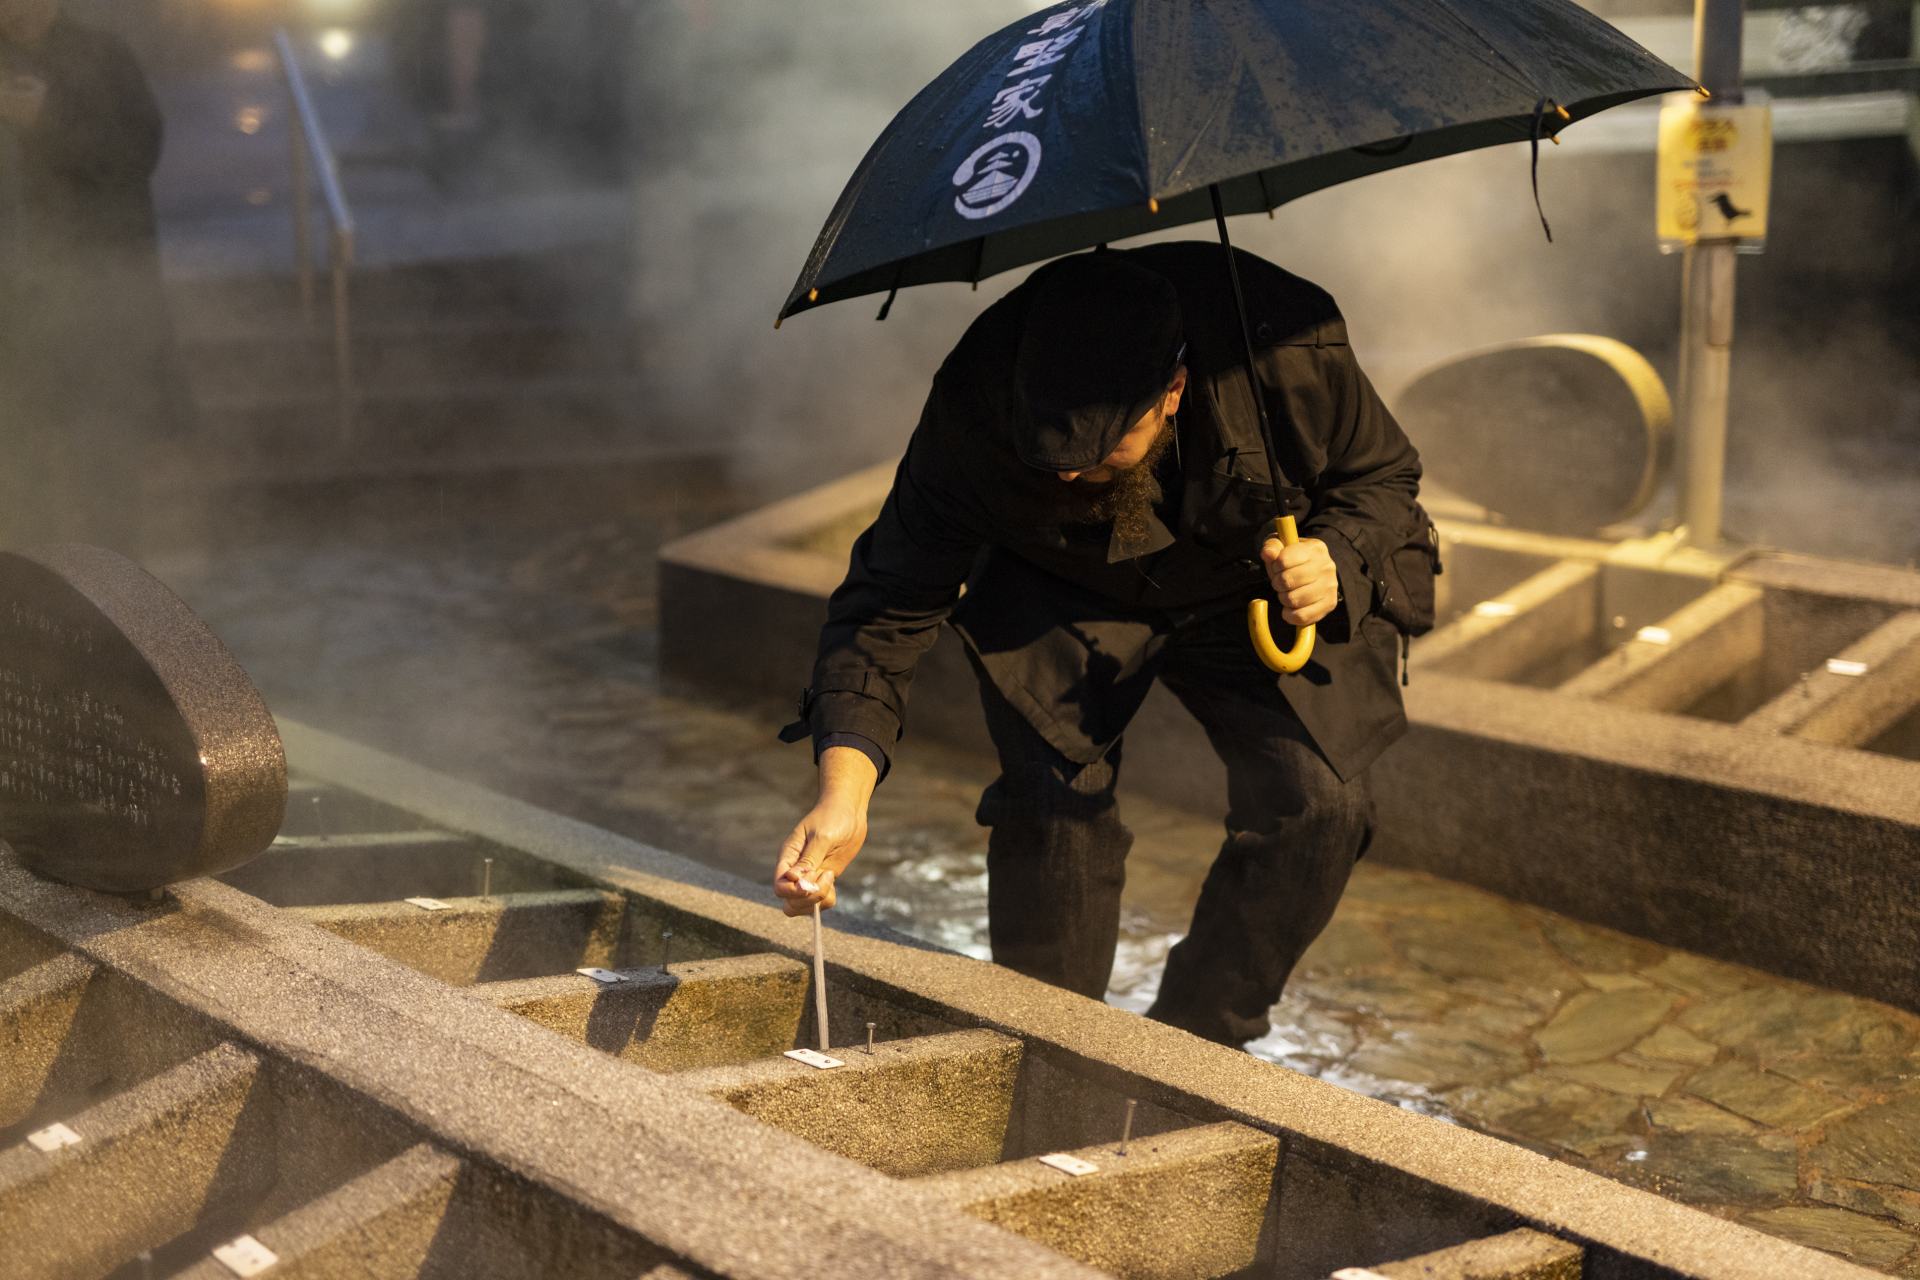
(1176, 388)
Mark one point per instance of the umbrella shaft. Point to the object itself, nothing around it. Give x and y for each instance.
(1246, 347)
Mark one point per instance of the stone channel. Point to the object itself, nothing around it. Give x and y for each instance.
(1785, 1107)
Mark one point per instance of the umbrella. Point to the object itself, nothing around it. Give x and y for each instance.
(1095, 120)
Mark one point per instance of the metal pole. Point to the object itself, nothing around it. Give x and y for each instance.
(1706, 335)
(302, 207)
(342, 255)
(819, 981)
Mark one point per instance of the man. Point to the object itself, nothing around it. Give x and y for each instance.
(86, 376)
(1089, 464)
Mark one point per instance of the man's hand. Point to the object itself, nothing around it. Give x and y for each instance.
(21, 99)
(1303, 577)
(829, 836)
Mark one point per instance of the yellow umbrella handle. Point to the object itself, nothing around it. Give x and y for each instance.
(1276, 659)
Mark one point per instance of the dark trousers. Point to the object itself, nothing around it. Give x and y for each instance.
(1056, 855)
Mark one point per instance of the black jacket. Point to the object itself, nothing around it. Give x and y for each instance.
(1067, 628)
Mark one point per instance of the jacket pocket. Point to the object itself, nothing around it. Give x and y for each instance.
(1409, 571)
(1231, 513)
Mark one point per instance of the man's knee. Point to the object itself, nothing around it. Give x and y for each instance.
(1039, 787)
(1311, 803)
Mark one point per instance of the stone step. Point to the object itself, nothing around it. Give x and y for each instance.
(450, 431)
(225, 363)
(420, 418)
(511, 935)
(306, 871)
(146, 1164)
(575, 284)
(911, 1107)
(1189, 1204)
(384, 1223)
(1683, 657)
(71, 1035)
(1870, 686)
(703, 1013)
(1515, 1255)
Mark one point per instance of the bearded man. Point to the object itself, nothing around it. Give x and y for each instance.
(1089, 465)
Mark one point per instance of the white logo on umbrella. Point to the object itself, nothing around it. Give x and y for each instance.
(996, 175)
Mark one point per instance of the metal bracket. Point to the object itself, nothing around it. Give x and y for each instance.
(427, 904)
(53, 1138)
(1073, 1166)
(245, 1256)
(814, 1058)
(606, 977)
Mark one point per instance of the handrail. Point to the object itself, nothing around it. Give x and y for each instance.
(311, 154)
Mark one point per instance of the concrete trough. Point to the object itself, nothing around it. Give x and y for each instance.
(911, 1107)
(323, 1136)
(315, 870)
(1637, 734)
(467, 940)
(1036, 1071)
(1190, 1204)
(682, 1017)
(72, 1034)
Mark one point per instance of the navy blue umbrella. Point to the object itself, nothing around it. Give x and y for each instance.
(1095, 120)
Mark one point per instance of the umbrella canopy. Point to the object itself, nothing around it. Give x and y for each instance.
(1095, 120)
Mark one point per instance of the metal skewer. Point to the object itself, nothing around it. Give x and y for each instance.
(1126, 1128)
(870, 1027)
(819, 981)
(486, 878)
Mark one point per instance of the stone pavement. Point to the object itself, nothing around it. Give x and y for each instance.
(523, 658)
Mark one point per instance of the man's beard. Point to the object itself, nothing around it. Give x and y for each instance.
(1126, 501)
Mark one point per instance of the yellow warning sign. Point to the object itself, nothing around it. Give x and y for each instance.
(1716, 169)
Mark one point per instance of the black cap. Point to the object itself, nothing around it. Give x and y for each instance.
(1101, 341)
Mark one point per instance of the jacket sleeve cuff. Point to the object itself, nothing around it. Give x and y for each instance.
(859, 742)
(1356, 584)
(828, 713)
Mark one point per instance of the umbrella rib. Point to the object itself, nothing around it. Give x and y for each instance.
(1492, 48)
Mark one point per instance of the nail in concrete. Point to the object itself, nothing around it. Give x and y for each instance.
(666, 948)
(486, 877)
(146, 1264)
(1126, 1127)
(870, 1027)
(819, 981)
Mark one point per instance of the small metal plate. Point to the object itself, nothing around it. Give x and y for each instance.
(1493, 609)
(1072, 1165)
(245, 1256)
(53, 1137)
(1846, 667)
(814, 1058)
(1357, 1273)
(1654, 635)
(606, 977)
(427, 904)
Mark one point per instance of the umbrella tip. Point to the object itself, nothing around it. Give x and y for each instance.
(1153, 206)
(776, 323)
(1703, 91)
(813, 295)
(1564, 113)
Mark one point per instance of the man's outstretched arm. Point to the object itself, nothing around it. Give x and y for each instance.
(904, 577)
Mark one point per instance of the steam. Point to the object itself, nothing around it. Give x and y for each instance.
(768, 108)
